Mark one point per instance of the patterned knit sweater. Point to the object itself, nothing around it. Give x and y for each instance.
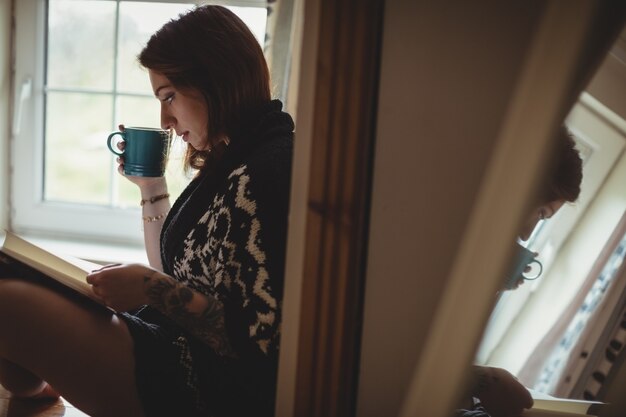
(226, 238)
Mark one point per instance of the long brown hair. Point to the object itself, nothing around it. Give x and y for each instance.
(566, 170)
(211, 50)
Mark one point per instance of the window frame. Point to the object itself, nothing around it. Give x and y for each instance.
(30, 213)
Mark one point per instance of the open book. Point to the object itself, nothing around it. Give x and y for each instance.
(548, 406)
(68, 271)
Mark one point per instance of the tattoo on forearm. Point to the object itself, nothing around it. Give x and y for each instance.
(173, 299)
(483, 380)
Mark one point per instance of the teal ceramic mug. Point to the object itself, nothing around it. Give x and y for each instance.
(145, 150)
(524, 258)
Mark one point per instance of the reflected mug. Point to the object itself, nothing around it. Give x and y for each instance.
(523, 258)
(145, 150)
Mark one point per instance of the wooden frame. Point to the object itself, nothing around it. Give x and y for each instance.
(344, 110)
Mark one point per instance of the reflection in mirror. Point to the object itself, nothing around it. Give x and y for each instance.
(563, 334)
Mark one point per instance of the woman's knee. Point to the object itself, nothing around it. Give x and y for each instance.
(18, 304)
(9, 287)
(14, 293)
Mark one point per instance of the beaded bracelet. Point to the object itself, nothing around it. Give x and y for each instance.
(154, 199)
(150, 219)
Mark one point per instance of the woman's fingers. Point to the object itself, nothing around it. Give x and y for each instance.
(109, 266)
(94, 276)
(120, 165)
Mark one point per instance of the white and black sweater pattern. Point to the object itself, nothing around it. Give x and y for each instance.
(232, 218)
(233, 228)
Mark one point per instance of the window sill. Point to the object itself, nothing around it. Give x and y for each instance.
(101, 253)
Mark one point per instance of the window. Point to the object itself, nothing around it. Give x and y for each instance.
(514, 327)
(552, 371)
(76, 79)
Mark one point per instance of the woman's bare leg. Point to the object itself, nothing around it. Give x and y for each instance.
(86, 355)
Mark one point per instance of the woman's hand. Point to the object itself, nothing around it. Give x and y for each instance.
(500, 393)
(121, 287)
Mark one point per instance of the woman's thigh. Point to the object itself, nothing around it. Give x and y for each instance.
(84, 353)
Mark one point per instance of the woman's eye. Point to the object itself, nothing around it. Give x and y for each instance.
(168, 99)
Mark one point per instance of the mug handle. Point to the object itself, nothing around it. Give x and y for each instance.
(537, 274)
(116, 152)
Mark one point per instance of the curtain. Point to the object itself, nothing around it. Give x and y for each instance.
(277, 46)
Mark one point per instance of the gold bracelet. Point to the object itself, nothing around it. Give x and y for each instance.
(154, 199)
(150, 219)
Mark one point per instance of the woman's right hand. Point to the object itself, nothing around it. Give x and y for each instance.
(500, 392)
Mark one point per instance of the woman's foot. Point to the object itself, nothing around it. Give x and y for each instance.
(47, 393)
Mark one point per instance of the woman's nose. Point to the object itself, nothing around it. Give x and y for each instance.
(167, 120)
(528, 230)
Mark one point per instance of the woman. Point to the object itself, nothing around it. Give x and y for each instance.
(563, 186)
(198, 330)
(495, 391)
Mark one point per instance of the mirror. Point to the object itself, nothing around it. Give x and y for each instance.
(553, 332)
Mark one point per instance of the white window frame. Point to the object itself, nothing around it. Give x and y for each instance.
(29, 212)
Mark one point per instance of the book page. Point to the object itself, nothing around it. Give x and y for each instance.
(534, 412)
(69, 271)
(562, 406)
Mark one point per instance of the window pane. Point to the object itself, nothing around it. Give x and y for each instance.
(255, 18)
(138, 111)
(80, 44)
(138, 21)
(77, 161)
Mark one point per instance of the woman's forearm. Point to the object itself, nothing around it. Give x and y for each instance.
(155, 204)
(201, 315)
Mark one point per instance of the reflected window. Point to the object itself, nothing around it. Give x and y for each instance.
(552, 370)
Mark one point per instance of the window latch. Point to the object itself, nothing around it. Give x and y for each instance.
(24, 94)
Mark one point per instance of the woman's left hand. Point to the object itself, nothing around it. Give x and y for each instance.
(121, 287)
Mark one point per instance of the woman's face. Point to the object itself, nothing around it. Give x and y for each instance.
(186, 113)
(540, 213)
